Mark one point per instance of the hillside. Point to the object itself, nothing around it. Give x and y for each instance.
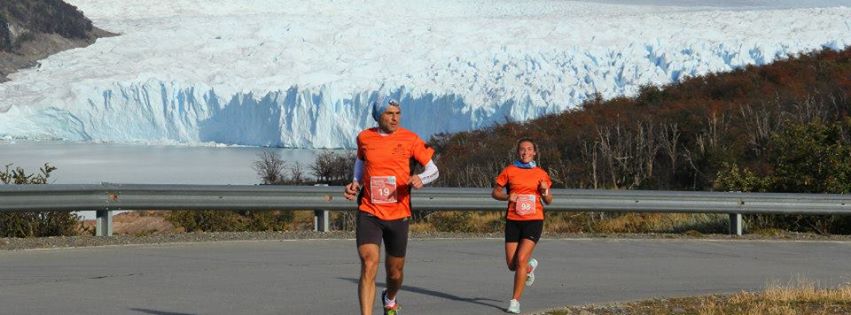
(34, 29)
(753, 124)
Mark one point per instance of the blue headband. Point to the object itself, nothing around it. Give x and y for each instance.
(380, 105)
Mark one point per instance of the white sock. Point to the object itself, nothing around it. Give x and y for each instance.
(389, 302)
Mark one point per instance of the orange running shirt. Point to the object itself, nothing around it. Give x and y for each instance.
(387, 169)
(524, 182)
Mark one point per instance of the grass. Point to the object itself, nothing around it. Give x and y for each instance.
(579, 222)
(799, 297)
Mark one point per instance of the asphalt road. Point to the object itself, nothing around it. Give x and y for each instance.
(443, 276)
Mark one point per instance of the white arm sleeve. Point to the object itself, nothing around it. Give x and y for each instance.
(358, 170)
(430, 173)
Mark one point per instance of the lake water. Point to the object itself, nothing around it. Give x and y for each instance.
(87, 163)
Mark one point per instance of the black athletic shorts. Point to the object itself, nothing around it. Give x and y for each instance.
(517, 230)
(371, 230)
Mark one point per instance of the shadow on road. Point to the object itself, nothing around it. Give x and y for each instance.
(424, 291)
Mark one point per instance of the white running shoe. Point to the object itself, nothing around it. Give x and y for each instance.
(513, 306)
(530, 276)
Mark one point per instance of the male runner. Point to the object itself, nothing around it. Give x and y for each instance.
(383, 170)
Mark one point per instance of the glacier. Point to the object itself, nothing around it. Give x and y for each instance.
(300, 74)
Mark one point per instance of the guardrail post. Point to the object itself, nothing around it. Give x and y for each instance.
(320, 217)
(736, 224)
(320, 220)
(103, 225)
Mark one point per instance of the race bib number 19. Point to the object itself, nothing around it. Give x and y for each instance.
(383, 189)
(525, 205)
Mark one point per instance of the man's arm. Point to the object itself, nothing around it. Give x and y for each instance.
(427, 176)
(353, 188)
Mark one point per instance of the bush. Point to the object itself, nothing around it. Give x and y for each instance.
(35, 224)
(467, 221)
(269, 220)
(231, 221)
(811, 157)
(342, 220)
(453, 221)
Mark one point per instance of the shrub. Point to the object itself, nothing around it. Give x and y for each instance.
(34, 224)
(230, 221)
(467, 221)
(269, 220)
(807, 157)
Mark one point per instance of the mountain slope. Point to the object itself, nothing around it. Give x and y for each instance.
(34, 29)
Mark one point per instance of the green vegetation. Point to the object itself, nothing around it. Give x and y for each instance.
(34, 224)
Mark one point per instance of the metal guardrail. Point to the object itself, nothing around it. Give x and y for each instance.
(105, 198)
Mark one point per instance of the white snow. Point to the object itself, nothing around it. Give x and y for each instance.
(301, 73)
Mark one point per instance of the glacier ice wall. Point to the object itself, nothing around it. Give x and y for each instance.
(302, 76)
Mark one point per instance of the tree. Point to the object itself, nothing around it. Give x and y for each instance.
(270, 168)
(335, 168)
(297, 173)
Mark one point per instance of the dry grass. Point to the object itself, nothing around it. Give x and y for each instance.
(422, 227)
(462, 221)
(136, 223)
(302, 220)
(154, 222)
(798, 297)
(664, 222)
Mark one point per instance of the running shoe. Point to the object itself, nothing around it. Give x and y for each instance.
(530, 276)
(388, 310)
(513, 306)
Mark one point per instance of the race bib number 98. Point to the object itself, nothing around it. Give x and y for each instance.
(382, 189)
(525, 205)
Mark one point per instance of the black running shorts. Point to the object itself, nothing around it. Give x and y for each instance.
(517, 230)
(371, 230)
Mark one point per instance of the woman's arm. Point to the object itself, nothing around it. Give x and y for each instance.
(548, 198)
(544, 190)
(498, 193)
